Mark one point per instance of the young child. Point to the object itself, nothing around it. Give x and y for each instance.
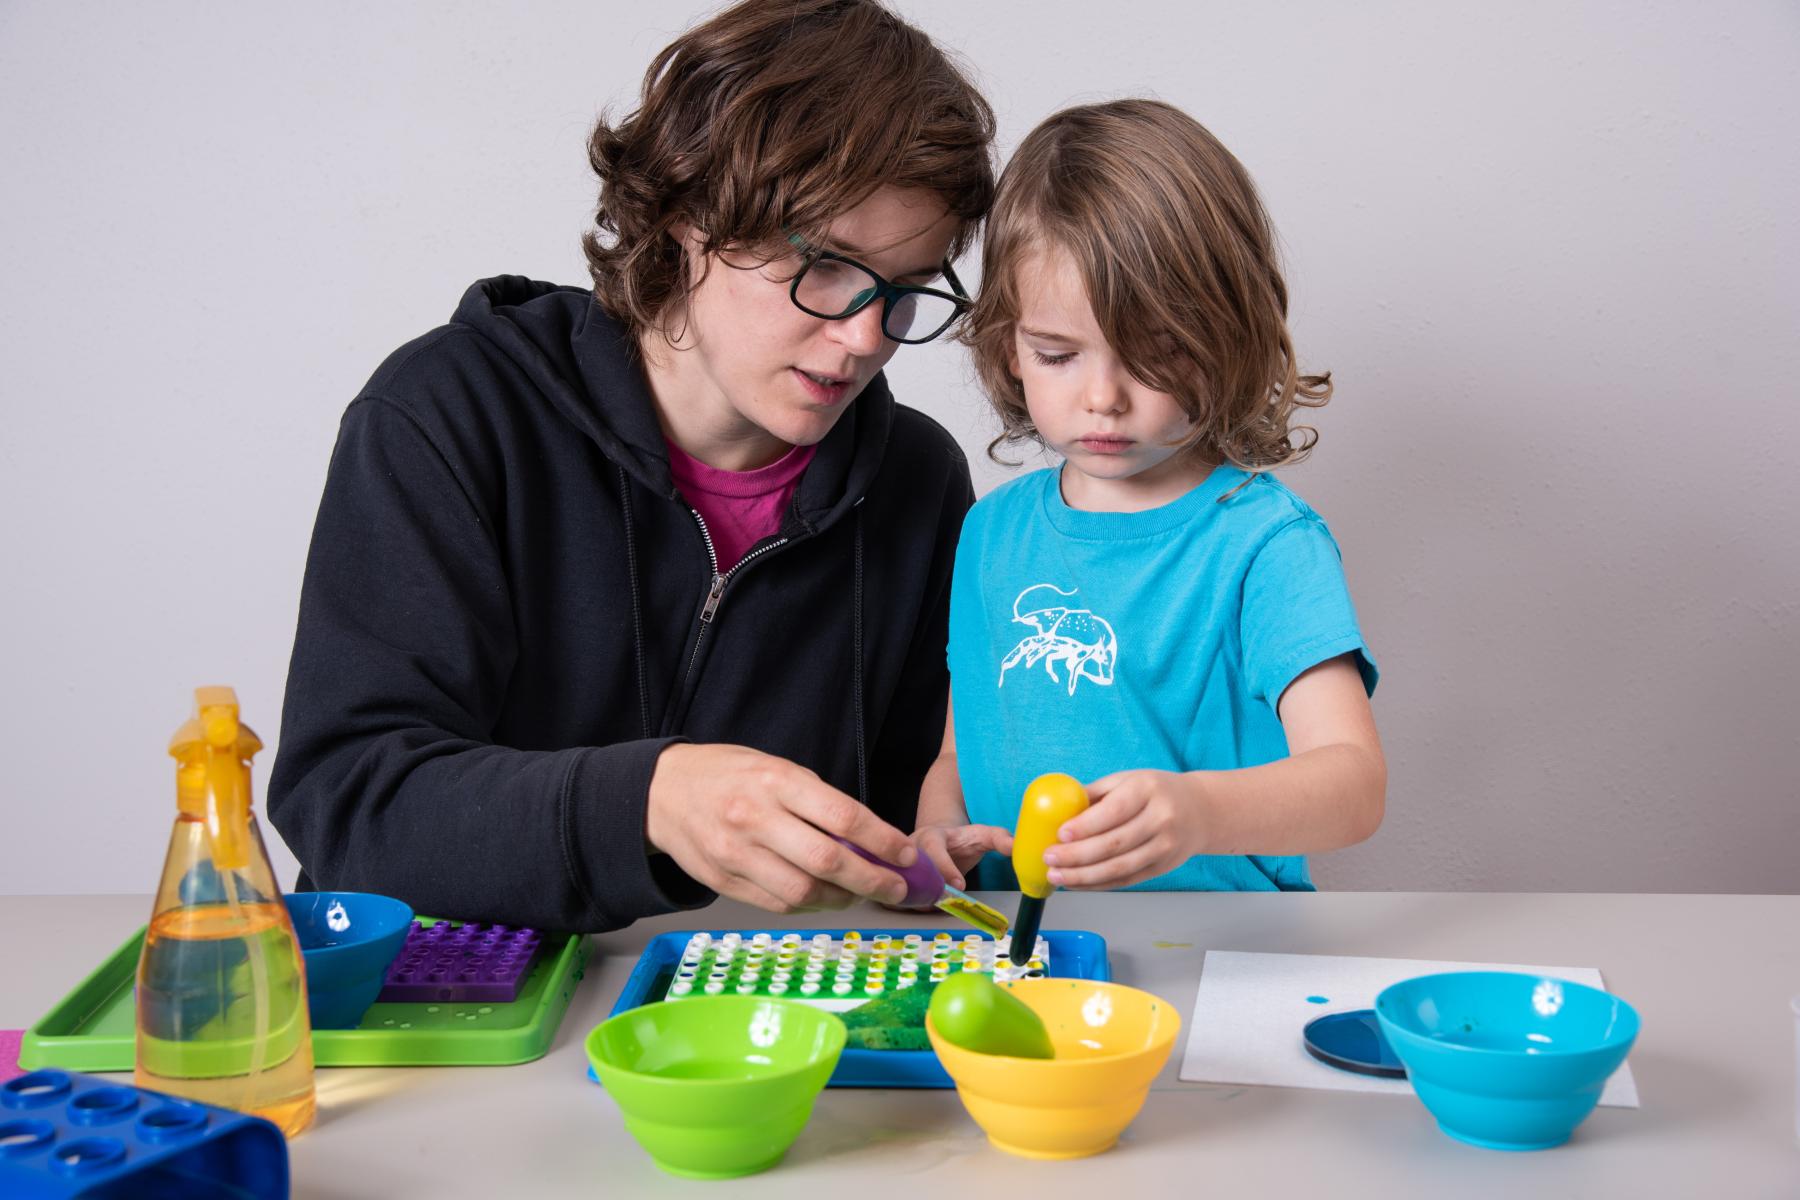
(1158, 617)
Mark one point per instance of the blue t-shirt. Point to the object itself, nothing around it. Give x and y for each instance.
(1095, 642)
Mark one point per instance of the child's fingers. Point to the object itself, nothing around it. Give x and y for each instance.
(947, 867)
(1148, 868)
(1118, 807)
(933, 844)
(992, 837)
(979, 839)
(945, 862)
(968, 844)
(1106, 845)
(1105, 784)
(1136, 862)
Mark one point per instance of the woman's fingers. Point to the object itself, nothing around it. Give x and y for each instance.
(769, 881)
(819, 814)
(820, 804)
(827, 863)
(757, 827)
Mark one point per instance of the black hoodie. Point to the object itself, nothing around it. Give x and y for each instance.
(505, 620)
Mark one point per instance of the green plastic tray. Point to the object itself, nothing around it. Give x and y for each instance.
(94, 1027)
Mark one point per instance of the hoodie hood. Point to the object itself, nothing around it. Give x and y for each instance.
(587, 366)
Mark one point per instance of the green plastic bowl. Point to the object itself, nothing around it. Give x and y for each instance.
(716, 1086)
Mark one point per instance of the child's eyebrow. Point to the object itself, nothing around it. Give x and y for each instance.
(1047, 335)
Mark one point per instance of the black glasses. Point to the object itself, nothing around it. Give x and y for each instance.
(833, 287)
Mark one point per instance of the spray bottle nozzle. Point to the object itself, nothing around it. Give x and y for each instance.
(218, 747)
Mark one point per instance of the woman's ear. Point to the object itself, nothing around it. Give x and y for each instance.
(693, 246)
(692, 241)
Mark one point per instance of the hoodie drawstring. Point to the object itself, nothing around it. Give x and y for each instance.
(637, 616)
(856, 668)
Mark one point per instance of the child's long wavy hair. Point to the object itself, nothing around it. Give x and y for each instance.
(1179, 260)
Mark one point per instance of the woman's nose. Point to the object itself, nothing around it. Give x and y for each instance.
(860, 333)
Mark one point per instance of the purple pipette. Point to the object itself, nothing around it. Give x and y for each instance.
(925, 886)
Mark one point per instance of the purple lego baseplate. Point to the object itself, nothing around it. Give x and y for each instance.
(461, 962)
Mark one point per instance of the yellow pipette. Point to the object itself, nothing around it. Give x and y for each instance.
(1049, 801)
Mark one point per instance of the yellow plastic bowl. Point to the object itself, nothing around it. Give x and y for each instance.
(1110, 1041)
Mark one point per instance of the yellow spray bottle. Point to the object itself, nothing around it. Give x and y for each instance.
(221, 989)
(1049, 801)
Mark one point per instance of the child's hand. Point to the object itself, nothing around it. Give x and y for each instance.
(957, 848)
(1139, 824)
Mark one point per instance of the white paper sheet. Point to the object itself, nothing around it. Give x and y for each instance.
(1251, 1008)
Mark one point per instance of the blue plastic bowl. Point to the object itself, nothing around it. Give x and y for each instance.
(348, 940)
(1506, 1061)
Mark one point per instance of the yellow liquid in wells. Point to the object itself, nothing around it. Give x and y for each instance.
(200, 1034)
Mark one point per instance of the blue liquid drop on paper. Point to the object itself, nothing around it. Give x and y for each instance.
(1318, 999)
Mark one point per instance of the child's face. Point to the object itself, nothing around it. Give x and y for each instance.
(1116, 433)
(753, 351)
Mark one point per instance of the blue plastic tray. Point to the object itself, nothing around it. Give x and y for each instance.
(1074, 954)
(64, 1134)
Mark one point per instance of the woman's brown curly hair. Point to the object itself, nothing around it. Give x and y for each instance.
(1179, 260)
(775, 117)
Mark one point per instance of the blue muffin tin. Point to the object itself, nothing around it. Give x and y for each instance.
(64, 1134)
(1074, 954)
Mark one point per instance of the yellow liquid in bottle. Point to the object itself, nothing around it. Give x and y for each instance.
(201, 1032)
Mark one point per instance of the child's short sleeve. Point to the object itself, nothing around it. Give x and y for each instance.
(1297, 611)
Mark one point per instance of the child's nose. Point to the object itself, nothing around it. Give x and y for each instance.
(1108, 397)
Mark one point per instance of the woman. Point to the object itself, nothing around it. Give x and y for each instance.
(618, 600)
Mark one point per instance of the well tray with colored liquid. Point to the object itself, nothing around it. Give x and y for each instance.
(681, 965)
(838, 974)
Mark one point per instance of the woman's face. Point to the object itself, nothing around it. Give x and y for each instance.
(750, 367)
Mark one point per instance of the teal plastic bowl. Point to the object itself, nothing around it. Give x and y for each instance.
(1503, 1060)
(348, 940)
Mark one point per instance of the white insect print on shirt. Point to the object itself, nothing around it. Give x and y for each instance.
(1075, 637)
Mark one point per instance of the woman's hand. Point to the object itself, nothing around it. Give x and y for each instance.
(755, 827)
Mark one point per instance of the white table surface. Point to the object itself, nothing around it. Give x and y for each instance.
(1712, 977)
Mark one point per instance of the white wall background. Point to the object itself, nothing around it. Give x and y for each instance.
(1549, 252)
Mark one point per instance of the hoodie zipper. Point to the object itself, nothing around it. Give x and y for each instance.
(715, 594)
